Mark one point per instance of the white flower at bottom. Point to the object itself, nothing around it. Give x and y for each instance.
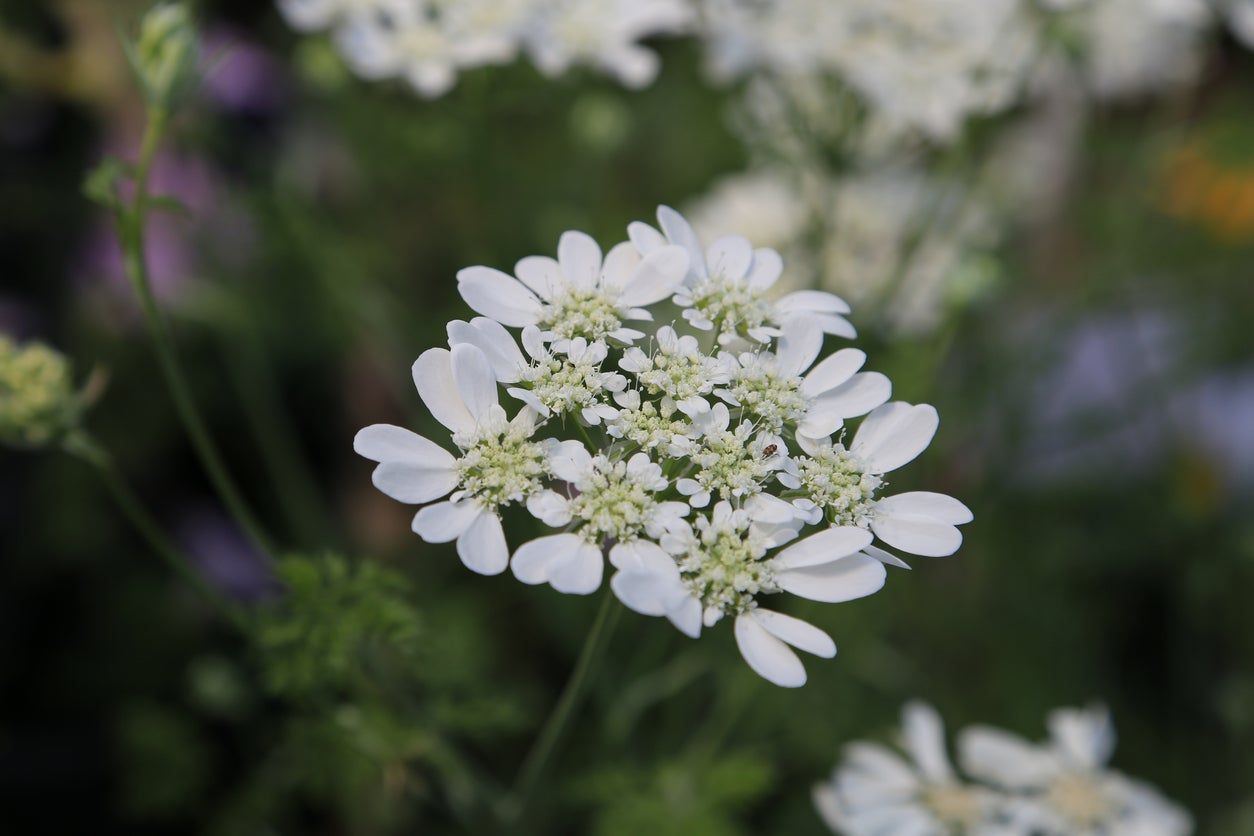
(1064, 785)
(609, 502)
(721, 567)
(876, 791)
(500, 463)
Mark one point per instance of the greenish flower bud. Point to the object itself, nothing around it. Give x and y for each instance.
(166, 54)
(38, 401)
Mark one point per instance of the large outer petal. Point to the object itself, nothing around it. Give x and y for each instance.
(444, 522)
(482, 546)
(433, 376)
(833, 371)
(659, 275)
(490, 337)
(800, 634)
(824, 547)
(769, 657)
(846, 579)
(499, 296)
(532, 559)
(580, 259)
(894, 434)
(475, 381)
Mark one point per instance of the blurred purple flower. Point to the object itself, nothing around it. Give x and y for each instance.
(1117, 399)
(225, 556)
(242, 76)
(17, 319)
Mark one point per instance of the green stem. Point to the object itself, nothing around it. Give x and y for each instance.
(546, 743)
(84, 448)
(132, 238)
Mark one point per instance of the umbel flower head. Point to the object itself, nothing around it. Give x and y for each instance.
(703, 459)
(1011, 787)
(38, 401)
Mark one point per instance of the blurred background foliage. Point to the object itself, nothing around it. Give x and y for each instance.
(1096, 390)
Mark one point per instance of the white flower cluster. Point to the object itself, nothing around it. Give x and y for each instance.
(705, 459)
(1062, 787)
(920, 65)
(428, 42)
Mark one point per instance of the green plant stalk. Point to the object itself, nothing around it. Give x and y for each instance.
(542, 750)
(84, 448)
(131, 222)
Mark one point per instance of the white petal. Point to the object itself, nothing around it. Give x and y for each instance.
(388, 443)
(846, 579)
(643, 555)
(936, 506)
(473, 375)
(414, 484)
(645, 238)
(578, 572)
(856, 396)
(794, 631)
(541, 275)
(580, 258)
(433, 376)
(687, 617)
(482, 546)
(917, 535)
(766, 269)
(798, 347)
(550, 507)
(444, 522)
(620, 262)
(679, 231)
(812, 302)
(885, 557)
(730, 257)
(769, 657)
(923, 736)
(824, 547)
(657, 276)
(894, 434)
(764, 508)
(570, 461)
(499, 296)
(494, 341)
(642, 591)
(532, 559)
(1004, 759)
(835, 325)
(832, 371)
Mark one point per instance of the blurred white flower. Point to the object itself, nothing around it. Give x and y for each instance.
(1009, 787)
(877, 791)
(1063, 787)
(603, 34)
(429, 42)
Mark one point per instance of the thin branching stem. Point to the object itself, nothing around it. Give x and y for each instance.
(132, 222)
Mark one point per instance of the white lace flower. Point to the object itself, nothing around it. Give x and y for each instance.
(875, 790)
(500, 463)
(561, 381)
(842, 485)
(1064, 786)
(604, 35)
(677, 370)
(578, 294)
(732, 462)
(427, 42)
(774, 389)
(721, 566)
(609, 503)
(651, 425)
(727, 286)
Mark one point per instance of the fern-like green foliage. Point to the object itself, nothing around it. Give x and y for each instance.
(339, 625)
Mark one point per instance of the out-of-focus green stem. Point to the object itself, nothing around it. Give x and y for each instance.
(546, 743)
(80, 445)
(132, 222)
